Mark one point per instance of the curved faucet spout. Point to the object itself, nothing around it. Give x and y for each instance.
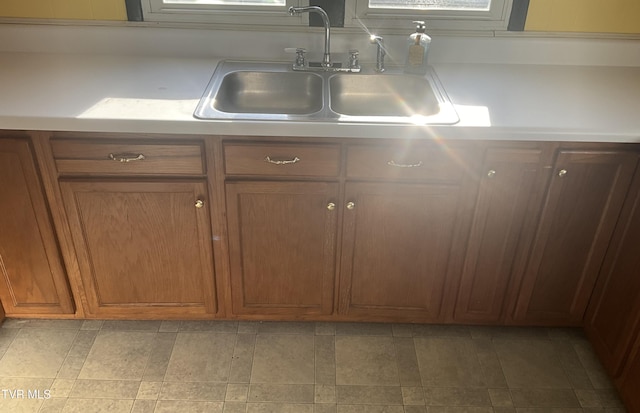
(294, 11)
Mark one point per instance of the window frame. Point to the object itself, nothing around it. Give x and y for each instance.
(157, 11)
(496, 18)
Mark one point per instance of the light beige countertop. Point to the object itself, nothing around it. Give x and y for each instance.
(158, 94)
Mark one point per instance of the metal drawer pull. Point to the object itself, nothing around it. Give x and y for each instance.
(351, 205)
(401, 165)
(491, 173)
(199, 203)
(283, 162)
(562, 173)
(331, 206)
(126, 157)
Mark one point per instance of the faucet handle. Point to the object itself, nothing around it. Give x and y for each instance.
(300, 58)
(354, 63)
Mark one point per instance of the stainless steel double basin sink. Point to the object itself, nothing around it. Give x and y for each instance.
(273, 91)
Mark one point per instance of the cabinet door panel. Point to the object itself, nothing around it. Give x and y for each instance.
(508, 195)
(282, 239)
(34, 281)
(582, 205)
(613, 316)
(397, 246)
(142, 245)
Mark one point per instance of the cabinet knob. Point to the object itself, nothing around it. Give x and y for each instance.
(351, 205)
(331, 206)
(562, 172)
(491, 173)
(199, 203)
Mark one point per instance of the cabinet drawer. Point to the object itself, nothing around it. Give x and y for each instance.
(400, 162)
(108, 157)
(281, 159)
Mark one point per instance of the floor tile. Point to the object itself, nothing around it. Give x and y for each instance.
(363, 329)
(237, 392)
(358, 408)
(118, 355)
(500, 397)
(36, 352)
(160, 356)
(413, 396)
(242, 361)
(280, 327)
(448, 362)
(460, 409)
(149, 390)
(438, 330)
(210, 325)
(97, 406)
(174, 406)
(7, 335)
(593, 367)
(387, 395)
(92, 324)
(325, 408)
(452, 396)
(325, 393)
(283, 359)
(531, 364)
(104, 389)
(548, 398)
(279, 408)
(408, 370)
(293, 393)
(234, 407)
(325, 329)
(132, 325)
(202, 356)
(143, 406)
(53, 405)
(366, 361)
(62, 387)
(325, 360)
(198, 391)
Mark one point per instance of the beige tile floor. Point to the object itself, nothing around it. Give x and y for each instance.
(287, 367)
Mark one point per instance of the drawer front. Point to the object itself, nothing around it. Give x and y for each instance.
(399, 162)
(101, 157)
(282, 159)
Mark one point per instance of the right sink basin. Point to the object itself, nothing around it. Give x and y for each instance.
(382, 95)
(391, 98)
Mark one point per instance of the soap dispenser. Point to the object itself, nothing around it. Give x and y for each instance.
(419, 44)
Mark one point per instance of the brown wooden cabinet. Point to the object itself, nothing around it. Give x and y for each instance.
(629, 383)
(398, 245)
(511, 188)
(33, 277)
(581, 209)
(612, 322)
(139, 218)
(282, 238)
(144, 248)
(406, 215)
(282, 227)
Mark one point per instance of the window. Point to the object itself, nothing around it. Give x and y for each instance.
(262, 12)
(439, 14)
(367, 14)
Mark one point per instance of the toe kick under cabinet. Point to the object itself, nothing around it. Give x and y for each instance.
(138, 213)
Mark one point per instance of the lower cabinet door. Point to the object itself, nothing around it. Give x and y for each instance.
(612, 320)
(629, 383)
(507, 203)
(398, 249)
(144, 248)
(282, 241)
(32, 276)
(581, 209)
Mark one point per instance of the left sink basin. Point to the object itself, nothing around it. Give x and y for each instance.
(269, 92)
(261, 91)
